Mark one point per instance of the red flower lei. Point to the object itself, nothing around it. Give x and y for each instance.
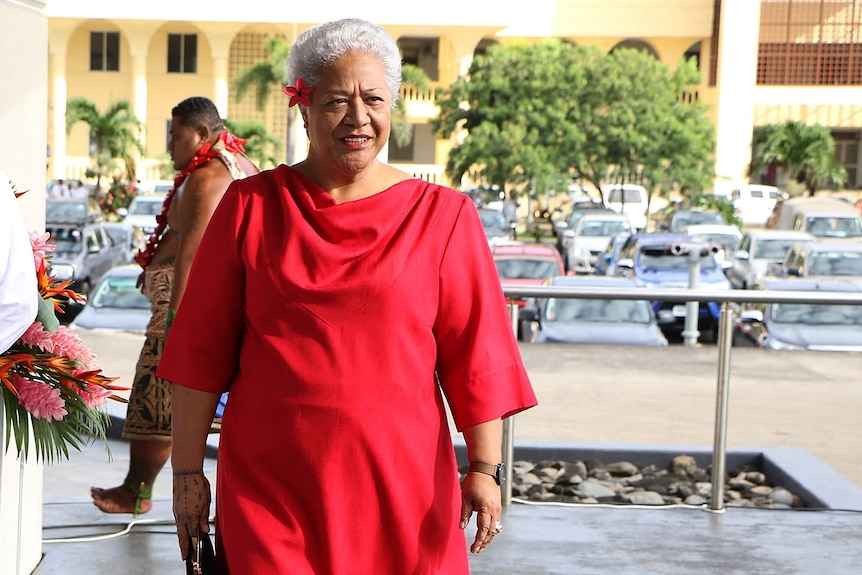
(226, 141)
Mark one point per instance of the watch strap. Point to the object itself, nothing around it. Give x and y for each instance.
(495, 471)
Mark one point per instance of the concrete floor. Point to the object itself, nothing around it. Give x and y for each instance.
(810, 401)
(537, 539)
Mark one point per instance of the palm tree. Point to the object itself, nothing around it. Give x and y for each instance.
(261, 147)
(268, 74)
(808, 151)
(115, 134)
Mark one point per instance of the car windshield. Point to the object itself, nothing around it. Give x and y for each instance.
(598, 228)
(772, 249)
(624, 196)
(67, 241)
(597, 311)
(119, 292)
(835, 264)
(492, 219)
(516, 268)
(145, 208)
(682, 219)
(65, 210)
(727, 241)
(834, 227)
(814, 314)
(651, 262)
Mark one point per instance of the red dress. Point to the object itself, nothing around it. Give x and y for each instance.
(327, 322)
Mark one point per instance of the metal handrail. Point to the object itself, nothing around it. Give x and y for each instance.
(724, 344)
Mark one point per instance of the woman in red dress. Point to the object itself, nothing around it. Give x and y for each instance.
(342, 303)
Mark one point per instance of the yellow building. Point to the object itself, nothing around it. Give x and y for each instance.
(761, 61)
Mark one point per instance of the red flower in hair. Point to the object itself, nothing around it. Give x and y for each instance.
(298, 94)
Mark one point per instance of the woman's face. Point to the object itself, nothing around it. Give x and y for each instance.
(349, 114)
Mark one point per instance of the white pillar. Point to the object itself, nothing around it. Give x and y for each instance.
(139, 74)
(221, 87)
(58, 85)
(735, 86)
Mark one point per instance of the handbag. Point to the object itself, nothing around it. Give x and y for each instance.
(201, 559)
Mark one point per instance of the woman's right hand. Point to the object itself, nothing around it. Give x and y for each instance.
(192, 498)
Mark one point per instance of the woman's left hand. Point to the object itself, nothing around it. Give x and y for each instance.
(480, 493)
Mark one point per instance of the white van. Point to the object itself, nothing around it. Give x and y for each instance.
(629, 199)
(754, 203)
(822, 217)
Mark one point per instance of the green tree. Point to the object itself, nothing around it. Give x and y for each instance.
(534, 113)
(269, 75)
(115, 133)
(808, 151)
(262, 146)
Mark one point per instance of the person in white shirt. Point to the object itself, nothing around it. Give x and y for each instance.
(19, 295)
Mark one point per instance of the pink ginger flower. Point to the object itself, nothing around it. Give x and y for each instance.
(68, 344)
(40, 246)
(40, 399)
(37, 336)
(63, 342)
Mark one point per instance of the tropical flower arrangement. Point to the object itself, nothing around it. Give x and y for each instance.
(50, 383)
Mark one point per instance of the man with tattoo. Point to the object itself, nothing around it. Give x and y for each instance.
(208, 158)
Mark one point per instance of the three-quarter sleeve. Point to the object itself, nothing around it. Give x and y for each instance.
(203, 347)
(479, 364)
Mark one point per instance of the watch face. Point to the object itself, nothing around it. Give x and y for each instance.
(500, 473)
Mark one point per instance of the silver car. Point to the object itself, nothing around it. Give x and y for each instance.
(757, 250)
(597, 321)
(797, 326)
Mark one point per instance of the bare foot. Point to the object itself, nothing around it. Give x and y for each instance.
(119, 500)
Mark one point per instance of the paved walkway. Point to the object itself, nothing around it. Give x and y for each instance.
(588, 395)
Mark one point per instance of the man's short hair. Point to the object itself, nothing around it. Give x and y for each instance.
(198, 111)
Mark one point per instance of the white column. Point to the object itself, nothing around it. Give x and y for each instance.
(736, 83)
(58, 85)
(221, 87)
(139, 73)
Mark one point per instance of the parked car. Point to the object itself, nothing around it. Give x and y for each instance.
(496, 227)
(590, 236)
(143, 210)
(72, 211)
(676, 220)
(607, 261)
(116, 303)
(815, 327)
(526, 264)
(82, 254)
(758, 249)
(577, 209)
(823, 217)
(130, 237)
(596, 321)
(821, 258)
(629, 199)
(754, 203)
(661, 260)
(725, 236)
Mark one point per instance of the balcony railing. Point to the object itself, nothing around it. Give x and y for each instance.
(725, 338)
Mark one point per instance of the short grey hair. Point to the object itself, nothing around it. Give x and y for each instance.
(318, 47)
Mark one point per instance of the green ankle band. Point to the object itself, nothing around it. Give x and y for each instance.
(140, 494)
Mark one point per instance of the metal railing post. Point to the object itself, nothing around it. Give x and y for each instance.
(508, 441)
(719, 449)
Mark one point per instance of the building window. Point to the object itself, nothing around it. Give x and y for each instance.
(810, 43)
(183, 53)
(104, 51)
